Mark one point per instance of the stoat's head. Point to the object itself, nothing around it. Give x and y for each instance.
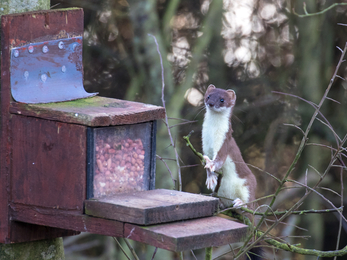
(219, 100)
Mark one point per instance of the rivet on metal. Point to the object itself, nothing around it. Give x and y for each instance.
(45, 49)
(61, 45)
(26, 74)
(44, 77)
(31, 49)
(16, 53)
(63, 69)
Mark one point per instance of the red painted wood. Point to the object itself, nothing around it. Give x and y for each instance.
(22, 232)
(95, 111)
(188, 235)
(5, 133)
(152, 206)
(19, 29)
(67, 220)
(38, 26)
(175, 236)
(49, 163)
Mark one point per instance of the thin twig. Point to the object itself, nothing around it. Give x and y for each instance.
(193, 254)
(287, 246)
(296, 212)
(121, 248)
(166, 118)
(167, 167)
(297, 127)
(155, 251)
(340, 220)
(318, 13)
(131, 249)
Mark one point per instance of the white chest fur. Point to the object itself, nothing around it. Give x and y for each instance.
(214, 129)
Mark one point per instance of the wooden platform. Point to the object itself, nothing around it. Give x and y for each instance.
(190, 234)
(152, 206)
(175, 236)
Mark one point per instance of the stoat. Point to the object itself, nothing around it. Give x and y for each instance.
(238, 184)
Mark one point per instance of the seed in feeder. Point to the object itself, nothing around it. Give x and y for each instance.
(101, 167)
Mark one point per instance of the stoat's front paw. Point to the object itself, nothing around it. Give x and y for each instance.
(209, 163)
(238, 203)
(211, 182)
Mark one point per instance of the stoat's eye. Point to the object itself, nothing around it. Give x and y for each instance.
(222, 100)
(208, 97)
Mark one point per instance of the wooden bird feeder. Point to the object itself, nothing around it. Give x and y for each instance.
(74, 162)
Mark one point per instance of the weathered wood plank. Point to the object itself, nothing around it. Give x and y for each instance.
(66, 220)
(188, 235)
(23, 232)
(95, 111)
(49, 163)
(38, 26)
(152, 206)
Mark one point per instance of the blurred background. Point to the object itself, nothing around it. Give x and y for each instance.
(253, 47)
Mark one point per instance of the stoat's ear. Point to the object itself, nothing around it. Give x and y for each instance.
(232, 96)
(210, 87)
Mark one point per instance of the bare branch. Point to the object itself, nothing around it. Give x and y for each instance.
(121, 248)
(318, 13)
(166, 118)
(297, 127)
(339, 49)
(154, 253)
(333, 100)
(167, 167)
(286, 246)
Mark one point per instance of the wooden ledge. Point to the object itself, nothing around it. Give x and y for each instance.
(94, 111)
(152, 206)
(189, 234)
(175, 236)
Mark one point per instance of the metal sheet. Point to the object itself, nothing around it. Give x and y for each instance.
(50, 71)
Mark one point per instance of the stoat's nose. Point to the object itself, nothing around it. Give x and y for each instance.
(211, 104)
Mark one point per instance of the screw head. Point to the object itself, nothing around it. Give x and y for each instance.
(16, 53)
(45, 49)
(61, 45)
(44, 77)
(31, 49)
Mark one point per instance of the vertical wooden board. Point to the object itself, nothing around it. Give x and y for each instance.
(49, 163)
(5, 140)
(43, 25)
(188, 235)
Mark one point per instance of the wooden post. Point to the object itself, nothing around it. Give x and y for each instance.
(44, 249)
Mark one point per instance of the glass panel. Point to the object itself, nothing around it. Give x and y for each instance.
(121, 159)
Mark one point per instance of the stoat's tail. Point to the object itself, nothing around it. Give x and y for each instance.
(256, 253)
